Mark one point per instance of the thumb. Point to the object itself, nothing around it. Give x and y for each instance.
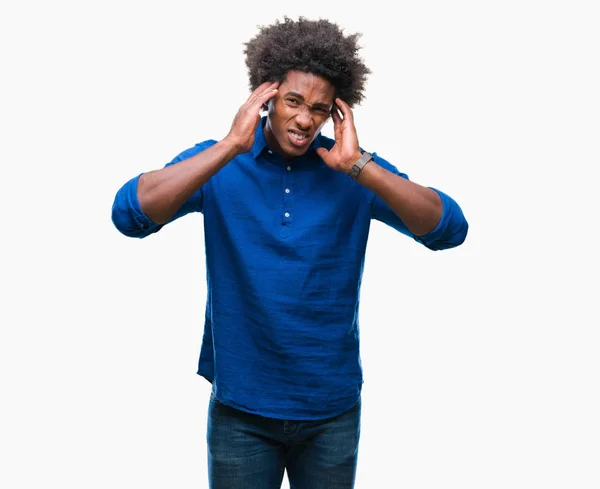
(322, 152)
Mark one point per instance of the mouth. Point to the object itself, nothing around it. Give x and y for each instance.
(298, 138)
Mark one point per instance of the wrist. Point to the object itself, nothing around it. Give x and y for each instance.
(232, 146)
(357, 165)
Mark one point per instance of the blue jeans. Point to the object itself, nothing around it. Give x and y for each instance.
(247, 451)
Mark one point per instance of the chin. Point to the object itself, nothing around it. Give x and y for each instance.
(290, 150)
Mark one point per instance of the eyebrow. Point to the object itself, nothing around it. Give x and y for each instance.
(316, 104)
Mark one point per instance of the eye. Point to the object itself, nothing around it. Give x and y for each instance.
(291, 101)
(320, 111)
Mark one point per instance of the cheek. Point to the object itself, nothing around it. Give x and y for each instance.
(321, 126)
(275, 116)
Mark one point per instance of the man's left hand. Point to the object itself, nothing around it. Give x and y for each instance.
(346, 151)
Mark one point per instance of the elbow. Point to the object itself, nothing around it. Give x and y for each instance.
(127, 215)
(462, 234)
(451, 239)
(456, 238)
(126, 225)
(452, 229)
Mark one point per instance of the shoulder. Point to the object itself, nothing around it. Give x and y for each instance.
(194, 150)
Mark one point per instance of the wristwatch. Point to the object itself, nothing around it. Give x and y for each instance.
(359, 165)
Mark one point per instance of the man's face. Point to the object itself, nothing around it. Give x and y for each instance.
(298, 112)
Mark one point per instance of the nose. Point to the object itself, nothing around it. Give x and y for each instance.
(304, 117)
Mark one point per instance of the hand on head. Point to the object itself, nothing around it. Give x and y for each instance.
(248, 116)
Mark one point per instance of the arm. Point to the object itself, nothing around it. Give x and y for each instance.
(144, 204)
(450, 229)
(420, 208)
(162, 192)
(430, 216)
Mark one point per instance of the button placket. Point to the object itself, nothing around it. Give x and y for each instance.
(287, 211)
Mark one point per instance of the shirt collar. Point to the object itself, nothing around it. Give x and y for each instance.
(260, 142)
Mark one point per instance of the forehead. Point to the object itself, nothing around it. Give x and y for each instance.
(312, 87)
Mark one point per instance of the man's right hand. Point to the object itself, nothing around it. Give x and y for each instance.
(162, 192)
(241, 134)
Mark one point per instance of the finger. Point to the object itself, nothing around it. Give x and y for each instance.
(265, 88)
(265, 97)
(337, 123)
(322, 152)
(335, 115)
(345, 108)
(258, 91)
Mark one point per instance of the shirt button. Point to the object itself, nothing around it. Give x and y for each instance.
(289, 168)
(287, 190)
(269, 151)
(287, 214)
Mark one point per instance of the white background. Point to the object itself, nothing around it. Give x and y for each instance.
(481, 363)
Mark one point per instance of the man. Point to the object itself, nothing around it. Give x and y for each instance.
(286, 218)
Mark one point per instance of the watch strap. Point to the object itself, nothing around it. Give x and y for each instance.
(359, 165)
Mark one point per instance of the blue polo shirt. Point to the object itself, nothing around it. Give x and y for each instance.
(285, 246)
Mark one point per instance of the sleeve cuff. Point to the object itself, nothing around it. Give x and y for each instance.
(127, 213)
(450, 231)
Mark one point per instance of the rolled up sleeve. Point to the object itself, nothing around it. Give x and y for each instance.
(452, 229)
(127, 214)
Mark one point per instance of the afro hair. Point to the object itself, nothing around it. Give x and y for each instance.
(310, 46)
